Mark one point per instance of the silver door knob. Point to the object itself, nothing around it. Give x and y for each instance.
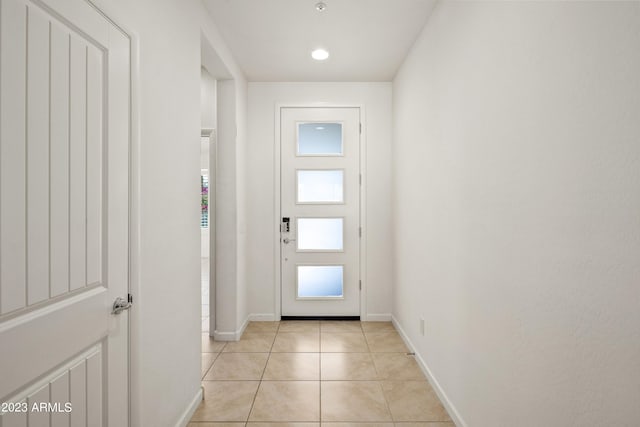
(120, 305)
(286, 240)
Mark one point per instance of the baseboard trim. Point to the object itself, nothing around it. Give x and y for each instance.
(224, 336)
(231, 336)
(242, 328)
(378, 317)
(262, 317)
(191, 409)
(451, 409)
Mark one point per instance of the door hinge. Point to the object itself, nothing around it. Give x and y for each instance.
(360, 128)
(360, 284)
(360, 179)
(130, 298)
(359, 231)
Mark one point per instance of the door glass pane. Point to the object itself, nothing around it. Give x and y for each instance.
(320, 139)
(320, 186)
(322, 234)
(320, 281)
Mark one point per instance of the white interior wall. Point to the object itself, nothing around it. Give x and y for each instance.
(516, 200)
(165, 271)
(165, 335)
(261, 223)
(226, 216)
(231, 95)
(208, 114)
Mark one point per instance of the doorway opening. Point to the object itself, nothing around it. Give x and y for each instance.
(207, 227)
(208, 171)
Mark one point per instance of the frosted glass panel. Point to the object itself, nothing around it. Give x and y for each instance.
(322, 234)
(320, 186)
(318, 281)
(319, 139)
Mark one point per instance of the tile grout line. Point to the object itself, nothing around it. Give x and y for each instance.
(378, 380)
(210, 366)
(255, 396)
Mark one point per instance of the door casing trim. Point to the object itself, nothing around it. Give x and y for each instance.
(362, 261)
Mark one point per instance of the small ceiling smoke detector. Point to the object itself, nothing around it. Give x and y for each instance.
(321, 7)
(319, 54)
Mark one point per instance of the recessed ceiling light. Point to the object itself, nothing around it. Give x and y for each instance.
(319, 54)
(321, 7)
(320, 128)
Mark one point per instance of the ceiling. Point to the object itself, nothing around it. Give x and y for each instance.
(272, 40)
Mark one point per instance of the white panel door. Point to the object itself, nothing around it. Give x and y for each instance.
(64, 190)
(320, 211)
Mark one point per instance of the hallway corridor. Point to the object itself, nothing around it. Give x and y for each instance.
(311, 372)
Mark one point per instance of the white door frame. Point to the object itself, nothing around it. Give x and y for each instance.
(277, 208)
(110, 13)
(104, 8)
(134, 228)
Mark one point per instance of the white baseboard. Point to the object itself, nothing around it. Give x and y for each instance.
(263, 317)
(243, 327)
(191, 409)
(378, 317)
(231, 336)
(225, 336)
(446, 402)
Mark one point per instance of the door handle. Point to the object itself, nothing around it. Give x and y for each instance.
(121, 304)
(286, 240)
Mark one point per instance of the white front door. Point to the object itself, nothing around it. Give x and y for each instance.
(320, 211)
(64, 190)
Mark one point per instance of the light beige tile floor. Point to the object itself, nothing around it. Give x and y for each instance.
(315, 374)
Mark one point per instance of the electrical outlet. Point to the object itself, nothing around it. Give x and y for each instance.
(421, 325)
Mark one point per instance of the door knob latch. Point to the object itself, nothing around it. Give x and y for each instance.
(121, 304)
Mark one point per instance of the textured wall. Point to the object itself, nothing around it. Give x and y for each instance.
(517, 209)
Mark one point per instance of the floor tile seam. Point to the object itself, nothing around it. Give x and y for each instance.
(386, 401)
(253, 401)
(406, 353)
(246, 352)
(210, 366)
(366, 341)
(422, 376)
(320, 397)
(410, 421)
